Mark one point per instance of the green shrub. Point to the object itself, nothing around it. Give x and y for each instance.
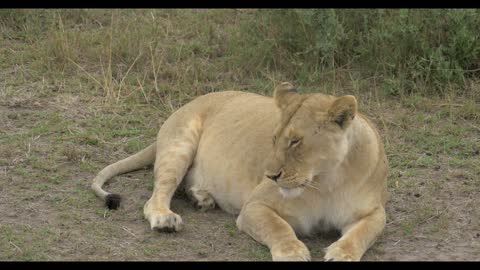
(432, 47)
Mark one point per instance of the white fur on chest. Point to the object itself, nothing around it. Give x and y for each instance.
(332, 211)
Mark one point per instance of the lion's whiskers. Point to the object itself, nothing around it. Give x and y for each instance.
(312, 186)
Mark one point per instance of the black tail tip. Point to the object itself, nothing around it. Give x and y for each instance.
(113, 201)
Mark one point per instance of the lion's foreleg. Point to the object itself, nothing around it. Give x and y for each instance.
(170, 167)
(267, 227)
(357, 237)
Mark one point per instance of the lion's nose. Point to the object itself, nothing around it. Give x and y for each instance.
(274, 177)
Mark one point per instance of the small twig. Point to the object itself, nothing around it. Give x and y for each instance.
(473, 126)
(126, 74)
(458, 69)
(439, 213)
(396, 242)
(89, 75)
(31, 208)
(17, 160)
(123, 106)
(394, 123)
(153, 69)
(394, 221)
(449, 104)
(129, 231)
(15, 246)
(143, 92)
(28, 151)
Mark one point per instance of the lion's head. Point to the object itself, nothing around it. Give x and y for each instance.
(310, 138)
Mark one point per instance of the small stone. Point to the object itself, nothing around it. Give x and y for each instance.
(417, 195)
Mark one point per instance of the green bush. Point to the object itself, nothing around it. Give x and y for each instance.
(432, 47)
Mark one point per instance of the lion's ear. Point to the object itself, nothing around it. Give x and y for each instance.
(343, 110)
(284, 94)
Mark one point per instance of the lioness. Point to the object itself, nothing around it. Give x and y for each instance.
(288, 165)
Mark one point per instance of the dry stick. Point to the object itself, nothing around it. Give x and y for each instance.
(109, 62)
(16, 247)
(143, 92)
(394, 123)
(103, 73)
(457, 69)
(106, 93)
(473, 126)
(93, 78)
(394, 221)
(123, 106)
(387, 131)
(439, 213)
(126, 74)
(453, 105)
(153, 69)
(129, 231)
(28, 151)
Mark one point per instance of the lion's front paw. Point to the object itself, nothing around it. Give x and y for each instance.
(163, 220)
(290, 251)
(336, 253)
(166, 222)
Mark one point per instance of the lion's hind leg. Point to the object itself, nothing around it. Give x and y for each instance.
(170, 167)
(201, 198)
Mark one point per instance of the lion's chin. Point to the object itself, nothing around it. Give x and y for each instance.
(291, 192)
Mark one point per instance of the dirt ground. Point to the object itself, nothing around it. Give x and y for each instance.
(53, 142)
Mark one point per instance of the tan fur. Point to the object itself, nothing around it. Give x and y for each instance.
(327, 160)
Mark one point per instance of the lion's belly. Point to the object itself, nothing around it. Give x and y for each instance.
(229, 193)
(234, 144)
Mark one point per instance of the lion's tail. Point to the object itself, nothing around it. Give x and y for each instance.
(134, 162)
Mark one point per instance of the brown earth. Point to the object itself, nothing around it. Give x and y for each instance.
(53, 144)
